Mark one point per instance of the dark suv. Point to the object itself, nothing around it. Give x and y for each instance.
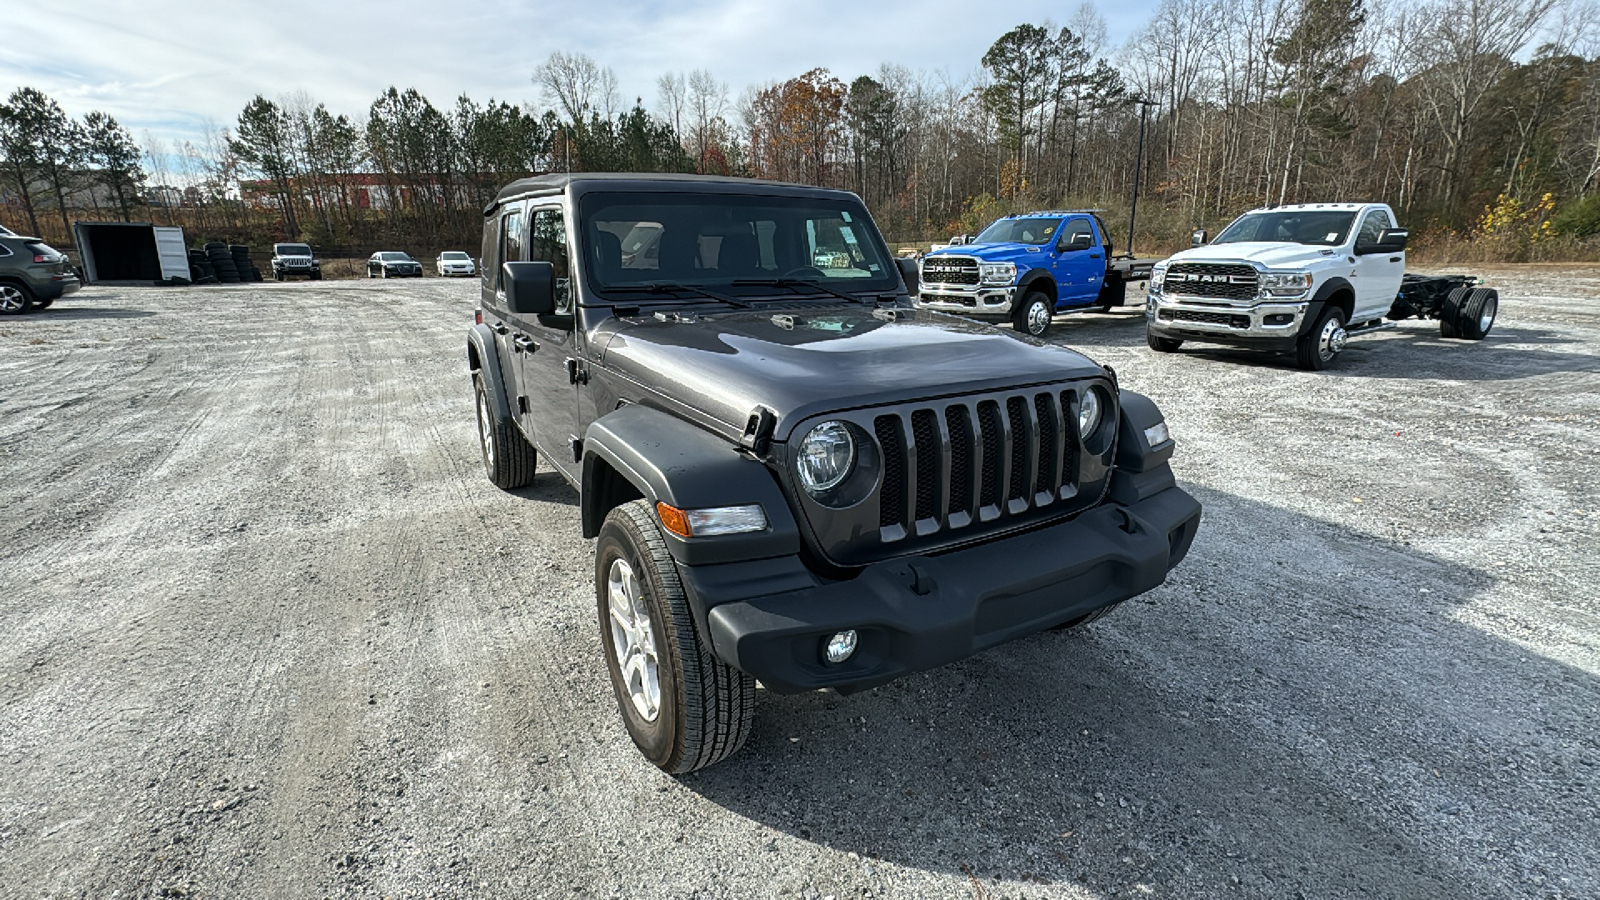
(793, 475)
(32, 274)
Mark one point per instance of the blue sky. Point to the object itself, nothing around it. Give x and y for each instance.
(172, 66)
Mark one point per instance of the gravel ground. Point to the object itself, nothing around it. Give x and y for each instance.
(268, 631)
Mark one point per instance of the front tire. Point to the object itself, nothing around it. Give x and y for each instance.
(1033, 316)
(1162, 344)
(1320, 346)
(14, 299)
(684, 708)
(508, 459)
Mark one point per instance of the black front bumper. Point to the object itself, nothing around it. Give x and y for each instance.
(920, 612)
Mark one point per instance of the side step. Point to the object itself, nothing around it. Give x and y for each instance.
(1368, 329)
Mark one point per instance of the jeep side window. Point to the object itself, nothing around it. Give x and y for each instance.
(547, 241)
(1373, 226)
(510, 241)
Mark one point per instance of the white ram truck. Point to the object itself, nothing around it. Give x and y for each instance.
(1303, 279)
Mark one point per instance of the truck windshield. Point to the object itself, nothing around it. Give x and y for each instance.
(1291, 226)
(1019, 231)
(731, 242)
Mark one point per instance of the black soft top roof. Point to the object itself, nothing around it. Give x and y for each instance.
(580, 182)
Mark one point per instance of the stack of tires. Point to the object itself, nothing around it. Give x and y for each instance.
(200, 270)
(241, 262)
(222, 262)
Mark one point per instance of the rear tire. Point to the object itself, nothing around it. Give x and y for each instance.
(684, 708)
(1033, 316)
(43, 304)
(508, 459)
(1450, 312)
(1477, 315)
(14, 299)
(1320, 346)
(1161, 344)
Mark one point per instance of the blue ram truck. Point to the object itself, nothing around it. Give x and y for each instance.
(1026, 268)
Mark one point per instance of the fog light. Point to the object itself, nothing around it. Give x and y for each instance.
(841, 646)
(1157, 434)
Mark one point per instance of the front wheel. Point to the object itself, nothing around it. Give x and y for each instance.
(1161, 344)
(508, 458)
(684, 708)
(1033, 316)
(1320, 346)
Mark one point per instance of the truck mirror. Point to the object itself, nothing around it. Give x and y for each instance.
(1390, 240)
(1199, 238)
(530, 287)
(908, 272)
(1080, 240)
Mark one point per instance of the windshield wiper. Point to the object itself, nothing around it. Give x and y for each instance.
(799, 282)
(667, 287)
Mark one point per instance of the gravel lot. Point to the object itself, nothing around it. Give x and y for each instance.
(269, 632)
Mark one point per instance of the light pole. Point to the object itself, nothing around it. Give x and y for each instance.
(1138, 167)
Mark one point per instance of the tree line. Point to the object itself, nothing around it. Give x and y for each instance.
(1474, 118)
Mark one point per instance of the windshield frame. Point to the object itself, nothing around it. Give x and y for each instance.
(1330, 215)
(1016, 221)
(291, 249)
(659, 209)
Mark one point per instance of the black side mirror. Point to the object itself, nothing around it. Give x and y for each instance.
(908, 273)
(1199, 238)
(1390, 240)
(1080, 240)
(530, 287)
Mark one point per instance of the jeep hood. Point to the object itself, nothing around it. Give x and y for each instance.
(807, 362)
(999, 251)
(1269, 254)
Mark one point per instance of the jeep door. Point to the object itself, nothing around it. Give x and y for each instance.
(546, 347)
(508, 239)
(1080, 262)
(1378, 275)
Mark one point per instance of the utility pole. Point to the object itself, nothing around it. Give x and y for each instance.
(1138, 166)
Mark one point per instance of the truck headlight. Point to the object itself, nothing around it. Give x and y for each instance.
(1158, 277)
(1286, 284)
(826, 455)
(997, 273)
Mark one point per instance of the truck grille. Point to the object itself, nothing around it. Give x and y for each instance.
(1231, 320)
(950, 270)
(1221, 280)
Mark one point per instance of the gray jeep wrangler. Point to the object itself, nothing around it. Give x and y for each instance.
(793, 476)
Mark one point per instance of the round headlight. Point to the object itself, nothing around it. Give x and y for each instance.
(827, 454)
(1090, 409)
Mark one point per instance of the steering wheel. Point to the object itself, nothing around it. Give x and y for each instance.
(803, 270)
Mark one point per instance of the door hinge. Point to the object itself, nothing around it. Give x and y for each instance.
(577, 372)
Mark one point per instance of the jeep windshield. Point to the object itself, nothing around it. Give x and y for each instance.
(732, 243)
(1319, 227)
(1019, 231)
(292, 249)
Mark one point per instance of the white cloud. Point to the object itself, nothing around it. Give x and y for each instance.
(171, 66)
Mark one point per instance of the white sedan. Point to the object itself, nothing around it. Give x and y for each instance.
(455, 262)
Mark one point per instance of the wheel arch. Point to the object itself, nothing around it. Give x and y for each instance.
(1038, 280)
(640, 452)
(484, 361)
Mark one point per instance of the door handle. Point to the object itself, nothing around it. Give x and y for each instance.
(1094, 256)
(524, 343)
(1394, 259)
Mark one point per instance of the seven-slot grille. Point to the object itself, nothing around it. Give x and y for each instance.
(1225, 280)
(950, 270)
(976, 459)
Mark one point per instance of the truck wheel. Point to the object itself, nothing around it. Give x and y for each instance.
(1033, 316)
(316, 276)
(1477, 315)
(1161, 344)
(684, 709)
(14, 299)
(1320, 346)
(1450, 312)
(508, 458)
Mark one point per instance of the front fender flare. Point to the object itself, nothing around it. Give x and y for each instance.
(668, 460)
(483, 358)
